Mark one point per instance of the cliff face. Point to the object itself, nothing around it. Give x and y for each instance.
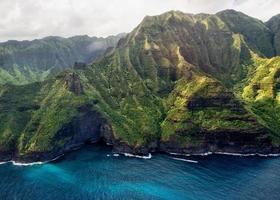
(89, 127)
(256, 34)
(48, 119)
(261, 93)
(274, 25)
(177, 83)
(30, 61)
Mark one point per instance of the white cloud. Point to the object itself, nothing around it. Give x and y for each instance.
(31, 19)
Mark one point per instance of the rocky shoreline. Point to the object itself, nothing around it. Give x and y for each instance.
(92, 128)
(142, 152)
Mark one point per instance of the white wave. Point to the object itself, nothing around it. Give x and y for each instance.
(149, 156)
(33, 163)
(203, 154)
(2, 163)
(226, 153)
(186, 160)
(195, 154)
(114, 155)
(233, 154)
(27, 164)
(179, 154)
(246, 155)
(270, 155)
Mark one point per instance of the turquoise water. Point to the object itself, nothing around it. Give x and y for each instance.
(93, 173)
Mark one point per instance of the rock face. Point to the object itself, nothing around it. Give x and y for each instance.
(73, 83)
(89, 127)
(274, 25)
(178, 83)
(80, 65)
(256, 34)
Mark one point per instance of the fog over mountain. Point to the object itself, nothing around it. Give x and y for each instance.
(26, 20)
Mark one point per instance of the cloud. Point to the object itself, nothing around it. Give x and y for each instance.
(31, 19)
(98, 45)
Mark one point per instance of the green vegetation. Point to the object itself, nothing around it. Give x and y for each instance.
(256, 34)
(30, 61)
(262, 93)
(170, 79)
(21, 76)
(274, 25)
(30, 119)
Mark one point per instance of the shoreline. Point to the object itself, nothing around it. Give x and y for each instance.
(227, 154)
(149, 156)
(15, 163)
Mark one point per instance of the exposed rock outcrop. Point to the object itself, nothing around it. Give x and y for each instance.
(177, 83)
(73, 83)
(89, 127)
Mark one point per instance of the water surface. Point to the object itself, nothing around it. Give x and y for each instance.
(94, 173)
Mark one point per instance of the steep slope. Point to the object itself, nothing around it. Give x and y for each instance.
(262, 93)
(256, 34)
(29, 61)
(173, 52)
(167, 87)
(274, 25)
(42, 120)
(205, 41)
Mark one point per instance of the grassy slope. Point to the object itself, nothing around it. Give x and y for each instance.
(143, 88)
(274, 25)
(262, 93)
(146, 84)
(32, 114)
(30, 61)
(21, 76)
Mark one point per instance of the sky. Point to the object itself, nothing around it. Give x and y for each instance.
(30, 19)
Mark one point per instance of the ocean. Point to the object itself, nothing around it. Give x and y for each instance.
(95, 173)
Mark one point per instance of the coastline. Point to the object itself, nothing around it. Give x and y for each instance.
(149, 156)
(15, 163)
(227, 154)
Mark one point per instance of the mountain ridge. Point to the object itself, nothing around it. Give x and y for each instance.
(177, 83)
(22, 62)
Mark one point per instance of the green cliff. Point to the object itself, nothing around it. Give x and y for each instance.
(29, 61)
(274, 25)
(177, 83)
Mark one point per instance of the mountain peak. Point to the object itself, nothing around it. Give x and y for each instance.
(230, 11)
(167, 15)
(236, 15)
(274, 22)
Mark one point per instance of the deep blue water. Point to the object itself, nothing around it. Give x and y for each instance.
(91, 174)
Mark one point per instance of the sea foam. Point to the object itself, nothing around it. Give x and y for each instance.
(27, 164)
(195, 154)
(186, 160)
(226, 153)
(149, 156)
(30, 164)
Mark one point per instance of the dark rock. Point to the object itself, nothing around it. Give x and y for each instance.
(80, 65)
(73, 83)
(29, 107)
(255, 142)
(6, 156)
(89, 128)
